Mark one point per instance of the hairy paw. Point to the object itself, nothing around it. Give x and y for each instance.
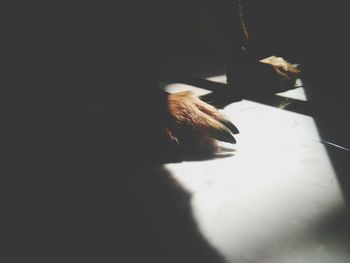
(286, 71)
(267, 76)
(195, 125)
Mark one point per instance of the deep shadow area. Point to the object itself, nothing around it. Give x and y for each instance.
(84, 207)
(167, 206)
(84, 187)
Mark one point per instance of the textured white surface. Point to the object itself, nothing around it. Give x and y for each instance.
(268, 202)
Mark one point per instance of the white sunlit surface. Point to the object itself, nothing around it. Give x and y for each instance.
(297, 93)
(177, 87)
(268, 201)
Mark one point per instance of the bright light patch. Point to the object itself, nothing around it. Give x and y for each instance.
(178, 87)
(221, 79)
(297, 93)
(266, 200)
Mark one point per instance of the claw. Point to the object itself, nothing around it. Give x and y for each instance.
(222, 135)
(231, 126)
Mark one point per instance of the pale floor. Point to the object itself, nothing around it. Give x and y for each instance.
(275, 197)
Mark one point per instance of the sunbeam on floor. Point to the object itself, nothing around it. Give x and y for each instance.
(271, 200)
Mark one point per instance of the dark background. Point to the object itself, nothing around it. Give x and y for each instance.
(82, 186)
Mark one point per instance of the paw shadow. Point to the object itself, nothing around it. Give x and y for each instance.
(221, 153)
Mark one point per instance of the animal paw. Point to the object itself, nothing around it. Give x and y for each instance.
(267, 76)
(286, 71)
(195, 126)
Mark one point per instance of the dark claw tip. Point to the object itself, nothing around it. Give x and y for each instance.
(232, 139)
(224, 136)
(231, 126)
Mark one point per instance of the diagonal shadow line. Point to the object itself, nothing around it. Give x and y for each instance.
(198, 82)
(222, 95)
(167, 203)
